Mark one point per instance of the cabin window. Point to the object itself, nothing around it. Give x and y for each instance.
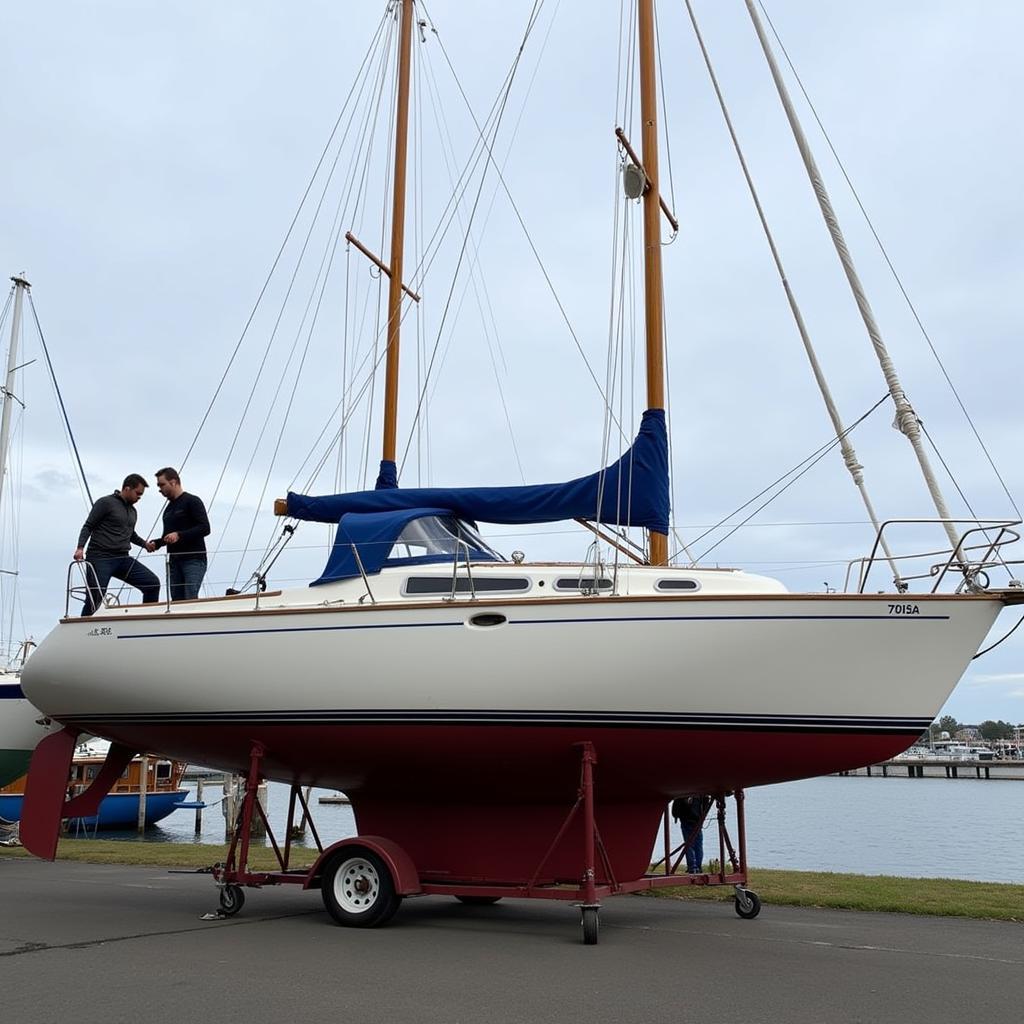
(583, 584)
(416, 586)
(163, 770)
(676, 584)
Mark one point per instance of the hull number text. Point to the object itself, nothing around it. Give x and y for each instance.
(904, 609)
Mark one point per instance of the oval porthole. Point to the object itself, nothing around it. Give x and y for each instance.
(485, 619)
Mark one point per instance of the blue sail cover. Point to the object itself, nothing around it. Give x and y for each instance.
(631, 492)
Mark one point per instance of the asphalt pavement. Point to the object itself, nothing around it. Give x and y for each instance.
(97, 943)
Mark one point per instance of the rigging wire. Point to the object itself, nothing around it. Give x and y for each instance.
(442, 228)
(485, 148)
(84, 480)
(484, 305)
(1005, 636)
(323, 276)
(352, 99)
(7, 306)
(803, 466)
(889, 263)
(540, 263)
(996, 553)
(665, 122)
(280, 314)
(277, 258)
(284, 303)
(850, 460)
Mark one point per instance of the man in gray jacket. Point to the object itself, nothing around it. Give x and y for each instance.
(110, 531)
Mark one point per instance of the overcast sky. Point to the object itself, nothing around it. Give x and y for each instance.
(154, 155)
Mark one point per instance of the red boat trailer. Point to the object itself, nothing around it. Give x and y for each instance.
(363, 879)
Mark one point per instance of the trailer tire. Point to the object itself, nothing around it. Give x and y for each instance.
(232, 898)
(749, 907)
(358, 890)
(591, 922)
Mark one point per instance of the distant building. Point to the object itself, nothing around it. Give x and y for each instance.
(968, 734)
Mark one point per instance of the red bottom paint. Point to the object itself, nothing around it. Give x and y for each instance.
(472, 802)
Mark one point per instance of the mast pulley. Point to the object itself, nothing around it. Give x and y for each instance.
(636, 181)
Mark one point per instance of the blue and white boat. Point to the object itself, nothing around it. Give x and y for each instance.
(120, 807)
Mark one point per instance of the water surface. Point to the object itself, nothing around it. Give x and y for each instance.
(929, 828)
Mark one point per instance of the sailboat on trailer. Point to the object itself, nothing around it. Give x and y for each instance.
(447, 689)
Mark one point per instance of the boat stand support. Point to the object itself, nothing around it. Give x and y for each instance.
(358, 872)
(234, 872)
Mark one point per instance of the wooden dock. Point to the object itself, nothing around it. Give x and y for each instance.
(941, 767)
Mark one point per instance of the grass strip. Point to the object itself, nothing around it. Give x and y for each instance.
(160, 855)
(945, 897)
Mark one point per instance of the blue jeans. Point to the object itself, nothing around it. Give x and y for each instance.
(185, 576)
(124, 568)
(695, 851)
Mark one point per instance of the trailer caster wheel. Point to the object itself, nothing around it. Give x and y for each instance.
(358, 889)
(591, 925)
(748, 903)
(232, 899)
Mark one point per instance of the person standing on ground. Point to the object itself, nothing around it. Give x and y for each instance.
(185, 526)
(690, 812)
(109, 530)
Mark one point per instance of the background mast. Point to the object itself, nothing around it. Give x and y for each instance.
(20, 287)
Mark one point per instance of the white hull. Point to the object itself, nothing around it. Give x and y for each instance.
(766, 657)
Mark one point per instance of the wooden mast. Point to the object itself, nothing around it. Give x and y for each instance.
(652, 236)
(397, 236)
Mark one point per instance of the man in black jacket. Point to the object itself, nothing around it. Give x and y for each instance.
(690, 812)
(185, 526)
(109, 531)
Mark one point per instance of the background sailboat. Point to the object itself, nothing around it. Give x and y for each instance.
(21, 724)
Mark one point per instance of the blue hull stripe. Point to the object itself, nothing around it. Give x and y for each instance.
(11, 692)
(546, 622)
(602, 719)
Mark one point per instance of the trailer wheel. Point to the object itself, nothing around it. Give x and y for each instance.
(232, 898)
(591, 925)
(748, 904)
(358, 889)
(478, 901)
